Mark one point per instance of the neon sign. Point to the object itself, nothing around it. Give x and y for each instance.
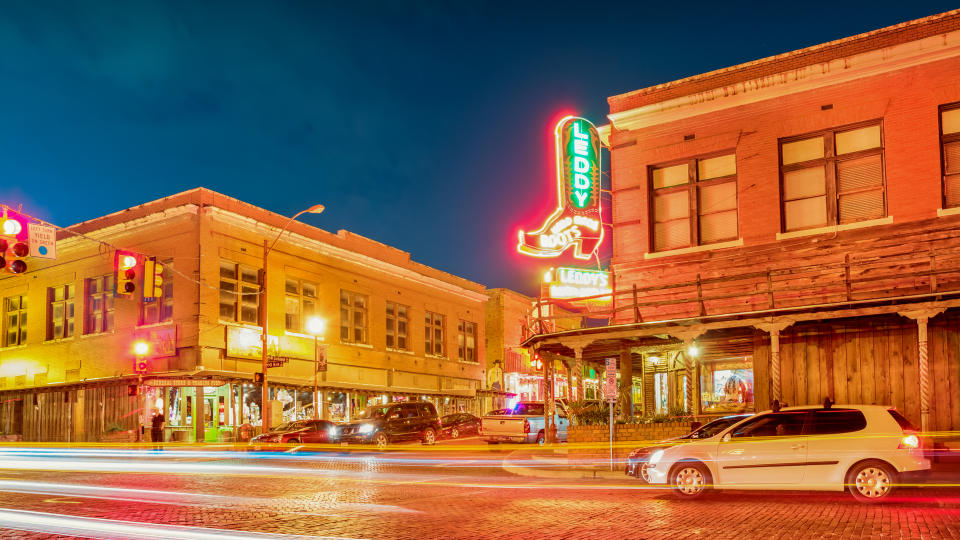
(576, 221)
(577, 283)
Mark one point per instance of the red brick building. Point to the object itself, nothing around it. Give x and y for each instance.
(792, 228)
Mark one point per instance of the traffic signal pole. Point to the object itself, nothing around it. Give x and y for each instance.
(265, 398)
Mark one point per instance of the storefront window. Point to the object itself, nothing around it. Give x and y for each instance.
(727, 385)
(660, 393)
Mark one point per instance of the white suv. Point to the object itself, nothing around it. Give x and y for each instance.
(864, 448)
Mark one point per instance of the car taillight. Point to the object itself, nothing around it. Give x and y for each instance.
(526, 426)
(909, 441)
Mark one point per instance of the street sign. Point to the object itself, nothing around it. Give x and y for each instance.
(42, 240)
(610, 384)
(279, 362)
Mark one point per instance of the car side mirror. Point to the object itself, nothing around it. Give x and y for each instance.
(726, 438)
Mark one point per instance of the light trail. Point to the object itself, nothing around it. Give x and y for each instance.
(86, 527)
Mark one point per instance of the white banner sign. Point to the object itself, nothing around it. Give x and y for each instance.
(610, 385)
(43, 241)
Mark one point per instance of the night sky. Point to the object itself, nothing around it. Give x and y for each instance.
(423, 125)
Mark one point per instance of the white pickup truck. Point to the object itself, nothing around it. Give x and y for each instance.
(524, 423)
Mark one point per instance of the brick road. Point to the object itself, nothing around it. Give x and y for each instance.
(366, 496)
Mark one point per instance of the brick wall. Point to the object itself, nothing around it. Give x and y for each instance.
(587, 444)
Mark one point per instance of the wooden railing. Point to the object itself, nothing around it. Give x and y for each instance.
(918, 263)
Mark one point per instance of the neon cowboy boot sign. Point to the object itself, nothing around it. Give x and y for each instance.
(576, 220)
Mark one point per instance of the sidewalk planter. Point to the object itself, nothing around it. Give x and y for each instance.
(119, 436)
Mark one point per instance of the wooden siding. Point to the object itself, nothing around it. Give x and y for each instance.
(68, 415)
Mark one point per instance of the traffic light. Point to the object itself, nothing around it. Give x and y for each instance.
(125, 266)
(258, 377)
(152, 279)
(140, 366)
(14, 244)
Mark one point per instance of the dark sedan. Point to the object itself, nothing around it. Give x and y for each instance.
(299, 432)
(637, 459)
(455, 425)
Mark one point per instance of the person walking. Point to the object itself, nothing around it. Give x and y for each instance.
(156, 429)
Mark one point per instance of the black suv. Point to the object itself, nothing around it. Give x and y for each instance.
(383, 424)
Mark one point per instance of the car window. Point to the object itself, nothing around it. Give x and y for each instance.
(408, 411)
(836, 421)
(426, 409)
(450, 418)
(782, 424)
(529, 408)
(709, 430)
(375, 411)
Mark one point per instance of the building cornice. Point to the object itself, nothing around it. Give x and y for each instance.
(328, 250)
(841, 70)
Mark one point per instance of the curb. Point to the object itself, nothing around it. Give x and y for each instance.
(569, 472)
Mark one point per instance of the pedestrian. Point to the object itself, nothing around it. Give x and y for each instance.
(156, 429)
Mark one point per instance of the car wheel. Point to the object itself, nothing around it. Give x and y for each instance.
(294, 441)
(689, 480)
(429, 436)
(381, 440)
(644, 474)
(871, 481)
(540, 438)
(454, 433)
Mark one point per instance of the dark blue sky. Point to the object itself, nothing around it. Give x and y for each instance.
(424, 125)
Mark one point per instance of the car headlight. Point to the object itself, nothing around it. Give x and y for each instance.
(366, 428)
(332, 431)
(655, 457)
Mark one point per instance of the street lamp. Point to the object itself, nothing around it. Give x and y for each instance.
(267, 247)
(316, 326)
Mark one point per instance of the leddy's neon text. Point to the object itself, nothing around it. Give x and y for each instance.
(584, 165)
(577, 283)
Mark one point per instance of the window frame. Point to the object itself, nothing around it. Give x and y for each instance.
(805, 413)
(352, 310)
(462, 343)
(301, 298)
(69, 304)
(238, 293)
(107, 312)
(434, 321)
(395, 333)
(21, 314)
(692, 186)
(830, 161)
(162, 305)
(944, 140)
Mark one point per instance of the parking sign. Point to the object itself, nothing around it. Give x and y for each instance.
(610, 388)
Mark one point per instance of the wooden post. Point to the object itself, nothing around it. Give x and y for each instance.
(578, 368)
(636, 308)
(626, 383)
(922, 317)
(774, 329)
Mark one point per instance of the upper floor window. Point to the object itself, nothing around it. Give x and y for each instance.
(398, 321)
(239, 293)
(353, 317)
(160, 310)
(434, 334)
(14, 321)
(694, 202)
(300, 303)
(467, 341)
(60, 310)
(98, 305)
(832, 177)
(950, 152)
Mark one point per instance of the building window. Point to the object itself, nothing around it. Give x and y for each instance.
(14, 321)
(950, 152)
(694, 203)
(726, 385)
(239, 293)
(353, 317)
(301, 304)
(433, 334)
(467, 341)
(161, 310)
(832, 177)
(398, 321)
(98, 309)
(60, 311)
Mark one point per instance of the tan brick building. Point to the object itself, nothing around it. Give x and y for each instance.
(791, 228)
(395, 329)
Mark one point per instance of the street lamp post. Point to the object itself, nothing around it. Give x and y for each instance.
(315, 326)
(267, 247)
